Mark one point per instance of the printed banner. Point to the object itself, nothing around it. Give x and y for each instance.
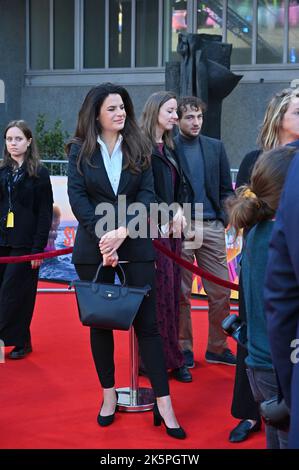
(233, 250)
(62, 235)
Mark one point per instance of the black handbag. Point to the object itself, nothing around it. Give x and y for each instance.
(108, 306)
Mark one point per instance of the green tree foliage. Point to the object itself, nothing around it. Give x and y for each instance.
(51, 142)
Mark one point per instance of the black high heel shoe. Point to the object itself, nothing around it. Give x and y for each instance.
(178, 433)
(107, 420)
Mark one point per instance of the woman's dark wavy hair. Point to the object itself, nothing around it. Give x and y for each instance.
(31, 158)
(259, 199)
(194, 102)
(135, 148)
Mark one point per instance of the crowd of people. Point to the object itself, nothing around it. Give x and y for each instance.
(165, 160)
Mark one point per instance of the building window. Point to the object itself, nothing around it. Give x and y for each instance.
(209, 17)
(39, 27)
(111, 34)
(175, 22)
(51, 19)
(147, 24)
(293, 52)
(270, 32)
(120, 33)
(94, 34)
(239, 31)
(63, 22)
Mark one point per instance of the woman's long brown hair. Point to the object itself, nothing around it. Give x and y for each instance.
(31, 158)
(149, 117)
(135, 148)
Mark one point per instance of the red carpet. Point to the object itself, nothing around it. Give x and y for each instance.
(50, 400)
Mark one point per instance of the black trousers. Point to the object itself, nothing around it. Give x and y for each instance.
(18, 284)
(243, 404)
(145, 325)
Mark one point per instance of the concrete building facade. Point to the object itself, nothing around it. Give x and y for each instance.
(53, 51)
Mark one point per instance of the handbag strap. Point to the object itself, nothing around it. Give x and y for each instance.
(118, 268)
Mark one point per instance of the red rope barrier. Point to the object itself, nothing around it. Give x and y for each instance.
(25, 258)
(195, 269)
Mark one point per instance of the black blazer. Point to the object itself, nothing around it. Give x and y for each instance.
(246, 167)
(32, 205)
(248, 162)
(218, 183)
(93, 187)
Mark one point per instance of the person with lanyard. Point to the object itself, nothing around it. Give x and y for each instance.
(26, 203)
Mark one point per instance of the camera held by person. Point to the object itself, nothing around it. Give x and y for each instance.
(233, 326)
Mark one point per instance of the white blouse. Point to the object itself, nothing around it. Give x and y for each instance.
(113, 164)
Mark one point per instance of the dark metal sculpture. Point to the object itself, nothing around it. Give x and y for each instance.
(204, 72)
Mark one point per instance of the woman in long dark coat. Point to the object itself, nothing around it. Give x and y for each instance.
(158, 119)
(26, 203)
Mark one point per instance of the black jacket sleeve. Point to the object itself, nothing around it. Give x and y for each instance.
(146, 192)
(246, 168)
(282, 282)
(44, 209)
(81, 206)
(226, 187)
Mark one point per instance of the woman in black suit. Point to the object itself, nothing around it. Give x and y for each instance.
(26, 204)
(108, 158)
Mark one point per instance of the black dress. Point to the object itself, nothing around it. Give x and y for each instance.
(167, 181)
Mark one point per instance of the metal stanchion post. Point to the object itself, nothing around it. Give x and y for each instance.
(134, 398)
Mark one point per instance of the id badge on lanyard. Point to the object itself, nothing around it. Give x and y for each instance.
(10, 220)
(10, 216)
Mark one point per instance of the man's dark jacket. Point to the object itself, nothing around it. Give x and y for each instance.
(218, 183)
